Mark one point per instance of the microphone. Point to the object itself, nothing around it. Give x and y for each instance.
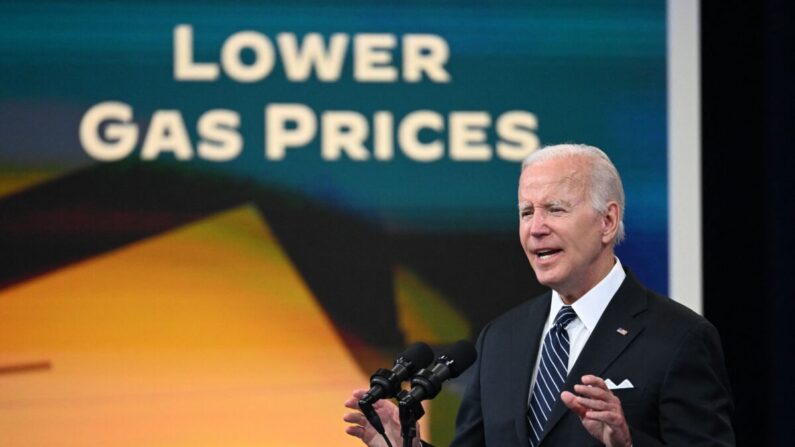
(385, 383)
(427, 383)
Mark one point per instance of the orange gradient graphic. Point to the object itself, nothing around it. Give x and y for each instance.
(202, 336)
(424, 313)
(14, 179)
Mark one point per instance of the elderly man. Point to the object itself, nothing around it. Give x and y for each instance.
(598, 360)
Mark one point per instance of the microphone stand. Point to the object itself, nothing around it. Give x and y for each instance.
(410, 412)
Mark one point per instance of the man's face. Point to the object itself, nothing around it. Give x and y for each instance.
(563, 236)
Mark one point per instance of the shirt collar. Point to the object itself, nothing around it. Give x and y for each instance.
(589, 307)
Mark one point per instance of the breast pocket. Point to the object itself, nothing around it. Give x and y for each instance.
(629, 396)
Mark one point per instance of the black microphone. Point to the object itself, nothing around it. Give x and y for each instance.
(385, 383)
(427, 383)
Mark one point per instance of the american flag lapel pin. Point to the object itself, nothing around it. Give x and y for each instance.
(622, 331)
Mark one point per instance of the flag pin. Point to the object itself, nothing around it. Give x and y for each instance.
(622, 331)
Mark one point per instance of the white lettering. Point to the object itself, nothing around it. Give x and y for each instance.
(468, 136)
(372, 58)
(167, 133)
(298, 63)
(278, 137)
(344, 131)
(517, 129)
(119, 138)
(408, 135)
(184, 67)
(220, 139)
(425, 53)
(383, 140)
(264, 56)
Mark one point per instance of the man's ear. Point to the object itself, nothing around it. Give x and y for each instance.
(610, 220)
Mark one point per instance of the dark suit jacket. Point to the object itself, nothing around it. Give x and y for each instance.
(672, 356)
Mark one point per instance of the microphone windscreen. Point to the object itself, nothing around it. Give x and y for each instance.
(419, 354)
(462, 355)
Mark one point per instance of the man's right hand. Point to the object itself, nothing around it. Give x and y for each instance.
(361, 428)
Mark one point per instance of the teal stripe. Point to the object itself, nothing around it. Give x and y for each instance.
(30, 32)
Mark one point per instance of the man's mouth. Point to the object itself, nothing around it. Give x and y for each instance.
(546, 253)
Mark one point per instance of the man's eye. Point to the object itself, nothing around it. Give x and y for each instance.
(556, 210)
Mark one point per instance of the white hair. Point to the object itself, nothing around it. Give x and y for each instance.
(605, 183)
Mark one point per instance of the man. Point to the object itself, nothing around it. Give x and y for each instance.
(598, 360)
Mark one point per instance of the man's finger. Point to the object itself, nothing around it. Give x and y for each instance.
(352, 403)
(592, 380)
(381, 404)
(355, 430)
(570, 400)
(358, 394)
(594, 404)
(594, 392)
(355, 418)
(610, 418)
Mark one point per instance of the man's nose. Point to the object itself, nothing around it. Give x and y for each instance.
(538, 225)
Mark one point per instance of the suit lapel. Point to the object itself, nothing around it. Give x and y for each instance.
(524, 348)
(605, 343)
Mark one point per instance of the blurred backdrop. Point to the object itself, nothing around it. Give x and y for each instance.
(218, 218)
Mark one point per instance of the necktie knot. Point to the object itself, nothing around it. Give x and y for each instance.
(565, 316)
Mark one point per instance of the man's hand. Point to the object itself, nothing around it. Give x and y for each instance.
(361, 428)
(600, 411)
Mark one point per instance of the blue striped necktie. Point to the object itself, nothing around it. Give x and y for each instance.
(552, 372)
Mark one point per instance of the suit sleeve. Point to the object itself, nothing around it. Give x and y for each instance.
(469, 423)
(695, 399)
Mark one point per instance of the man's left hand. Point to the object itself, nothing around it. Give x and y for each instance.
(600, 411)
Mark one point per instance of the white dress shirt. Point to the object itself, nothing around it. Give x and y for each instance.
(589, 309)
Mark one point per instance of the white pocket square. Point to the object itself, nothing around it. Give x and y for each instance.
(626, 384)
